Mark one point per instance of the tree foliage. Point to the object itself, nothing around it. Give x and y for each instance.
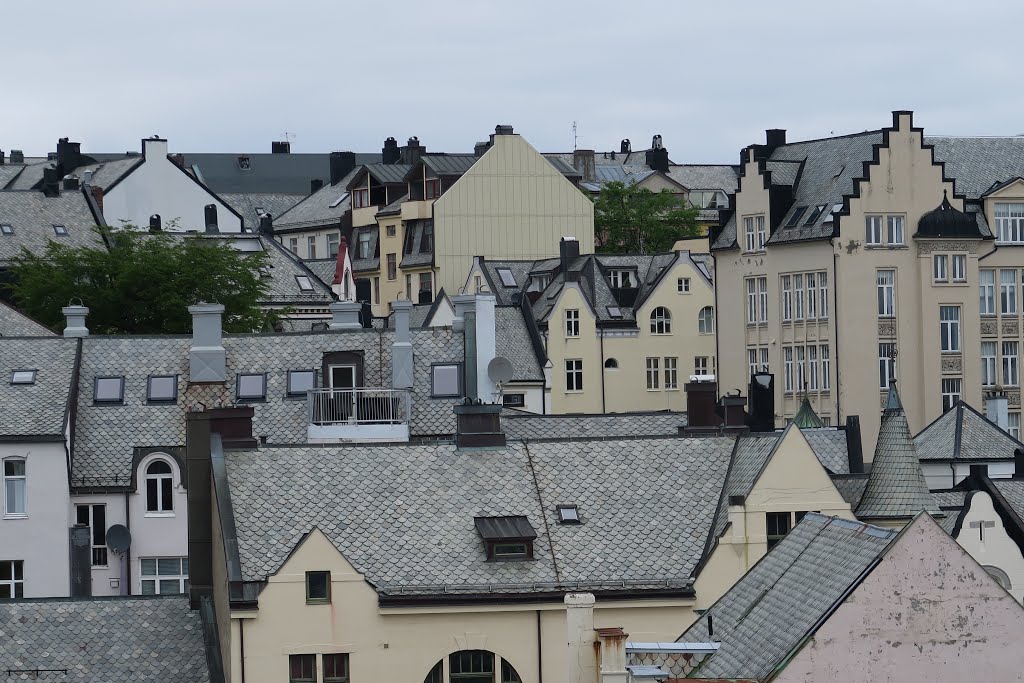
(633, 219)
(143, 283)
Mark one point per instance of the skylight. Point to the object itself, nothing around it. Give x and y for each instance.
(60, 230)
(339, 200)
(305, 284)
(23, 377)
(507, 278)
(252, 387)
(813, 218)
(614, 312)
(6, 229)
(109, 390)
(162, 388)
(568, 514)
(300, 381)
(798, 213)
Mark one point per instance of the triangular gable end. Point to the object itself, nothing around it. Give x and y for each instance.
(314, 552)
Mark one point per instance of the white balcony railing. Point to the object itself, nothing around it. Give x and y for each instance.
(364, 406)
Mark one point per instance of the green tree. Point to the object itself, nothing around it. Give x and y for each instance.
(633, 219)
(143, 283)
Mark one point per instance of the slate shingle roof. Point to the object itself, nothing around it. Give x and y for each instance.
(706, 176)
(13, 323)
(324, 207)
(964, 434)
(411, 526)
(851, 487)
(1012, 490)
(512, 341)
(274, 203)
(288, 173)
(830, 445)
(896, 486)
(104, 639)
(522, 425)
(766, 614)
(978, 163)
(39, 409)
(33, 215)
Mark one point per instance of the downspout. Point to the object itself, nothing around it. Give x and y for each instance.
(127, 590)
(241, 648)
(600, 336)
(835, 317)
(540, 652)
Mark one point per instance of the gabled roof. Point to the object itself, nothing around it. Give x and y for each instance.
(152, 638)
(247, 204)
(326, 206)
(14, 323)
(977, 163)
(382, 173)
(765, 616)
(273, 173)
(964, 434)
(706, 176)
(443, 164)
(36, 411)
(32, 215)
(896, 487)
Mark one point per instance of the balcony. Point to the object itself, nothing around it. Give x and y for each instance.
(358, 415)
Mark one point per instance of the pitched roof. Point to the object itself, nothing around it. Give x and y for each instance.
(14, 323)
(32, 215)
(706, 176)
(384, 173)
(412, 527)
(274, 173)
(896, 486)
(978, 163)
(39, 409)
(850, 487)
(326, 206)
(764, 617)
(249, 205)
(964, 434)
(522, 425)
(96, 640)
(1012, 491)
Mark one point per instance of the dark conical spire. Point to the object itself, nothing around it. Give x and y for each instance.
(805, 417)
(896, 487)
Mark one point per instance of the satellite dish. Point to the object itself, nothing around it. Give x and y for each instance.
(499, 370)
(119, 538)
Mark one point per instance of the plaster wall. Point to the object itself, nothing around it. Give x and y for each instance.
(991, 546)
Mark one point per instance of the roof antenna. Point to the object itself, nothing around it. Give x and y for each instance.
(575, 137)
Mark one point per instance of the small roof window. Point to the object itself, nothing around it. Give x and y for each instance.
(508, 539)
(60, 230)
(162, 389)
(305, 284)
(813, 218)
(614, 312)
(507, 278)
(300, 381)
(444, 380)
(23, 377)
(251, 387)
(6, 229)
(260, 211)
(568, 514)
(798, 213)
(109, 390)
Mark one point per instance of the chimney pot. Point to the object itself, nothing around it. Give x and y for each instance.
(762, 402)
(70, 183)
(2, 159)
(87, 178)
(625, 147)
(583, 161)
(342, 164)
(503, 129)
(17, 156)
(481, 147)
(267, 224)
(700, 405)
(75, 321)
(568, 250)
(997, 408)
(390, 153)
(345, 315)
(210, 212)
(315, 185)
(207, 359)
(154, 223)
(280, 147)
(774, 138)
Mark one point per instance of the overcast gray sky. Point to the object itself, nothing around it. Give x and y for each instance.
(220, 75)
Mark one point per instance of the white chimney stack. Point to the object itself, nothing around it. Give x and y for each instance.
(997, 408)
(345, 315)
(75, 317)
(401, 348)
(207, 359)
(580, 637)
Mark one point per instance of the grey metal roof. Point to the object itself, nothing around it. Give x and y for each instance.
(384, 173)
(274, 203)
(449, 164)
(99, 640)
(412, 525)
(107, 434)
(39, 409)
(522, 425)
(979, 163)
(706, 176)
(896, 486)
(764, 617)
(14, 323)
(33, 215)
(504, 527)
(964, 434)
(285, 173)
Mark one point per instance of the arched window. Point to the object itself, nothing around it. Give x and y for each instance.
(611, 364)
(159, 487)
(14, 487)
(473, 666)
(706, 320)
(661, 321)
(1001, 577)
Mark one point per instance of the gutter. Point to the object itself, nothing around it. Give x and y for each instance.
(556, 596)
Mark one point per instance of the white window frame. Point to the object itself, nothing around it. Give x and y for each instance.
(873, 231)
(1013, 425)
(706, 320)
(748, 228)
(752, 301)
(572, 322)
(16, 586)
(752, 365)
(812, 367)
(311, 247)
(333, 244)
(812, 295)
(1008, 292)
(885, 284)
(940, 268)
(823, 295)
(90, 509)
(952, 390)
(661, 321)
(959, 264)
(894, 230)
(988, 364)
(672, 373)
(1009, 222)
(293, 245)
(987, 291)
(653, 373)
(949, 329)
(787, 298)
(787, 372)
(181, 576)
(801, 368)
(700, 364)
(164, 504)
(683, 285)
(762, 234)
(886, 364)
(826, 368)
(1011, 363)
(762, 296)
(798, 296)
(11, 482)
(574, 375)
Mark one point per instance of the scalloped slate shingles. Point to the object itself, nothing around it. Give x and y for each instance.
(405, 514)
(104, 640)
(520, 425)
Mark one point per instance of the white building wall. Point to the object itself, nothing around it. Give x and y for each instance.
(158, 186)
(991, 546)
(40, 539)
(947, 475)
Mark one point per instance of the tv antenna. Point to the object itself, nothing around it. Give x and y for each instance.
(288, 137)
(575, 137)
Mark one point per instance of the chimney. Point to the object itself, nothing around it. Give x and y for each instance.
(568, 251)
(773, 139)
(280, 147)
(613, 655)
(583, 161)
(1018, 463)
(412, 151)
(266, 224)
(81, 561)
(481, 147)
(17, 156)
(70, 183)
(342, 164)
(978, 473)
(854, 448)
(762, 402)
(69, 155)
(207, 358)
(401, 348)
(390, 154)
(2, 158)
(732, 411)
(75, 321)
(997, 409)
(476, 316)
(700, 405)
(51, 182)
(625, 147)
(154, 223)
(154, 148)
(345, 315)
(579, 621)
(210, 213)
(97, 195)
(503, 130)
(86, 178)
(315, 185)
(657, 155)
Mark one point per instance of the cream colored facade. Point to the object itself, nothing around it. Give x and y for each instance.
(847, 325)
(312, 243)
(983, 535)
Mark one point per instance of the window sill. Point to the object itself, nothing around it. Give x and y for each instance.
(159, 514)
(886, 246)
(325, 601)
(15, 516)
(574, 391)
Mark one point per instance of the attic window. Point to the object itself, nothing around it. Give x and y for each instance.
(615, 312)
(568, 514)
(162, 389)
(5, 229)
(507, 278)
(835, 212)
(252, 387)
(243, 163)
(339, 200)
(300, 381)
(305, 285)
(23, 377)
(813, 218)
(798, 213)
(109, 390)
(621, 279)
(508, 539)
(260, 211)
(60, 230)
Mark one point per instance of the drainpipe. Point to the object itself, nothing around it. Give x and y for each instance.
(835, 318)
(540, 652)
(126, 575)
(241, 648)
(604, 408)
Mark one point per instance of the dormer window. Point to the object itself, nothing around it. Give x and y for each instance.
(621, 279)
(60, 230)
(23, 377)
(109, 390)
(251, 387)
(568, 514)
(508, 539)
(6, 229)
(539, 283)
